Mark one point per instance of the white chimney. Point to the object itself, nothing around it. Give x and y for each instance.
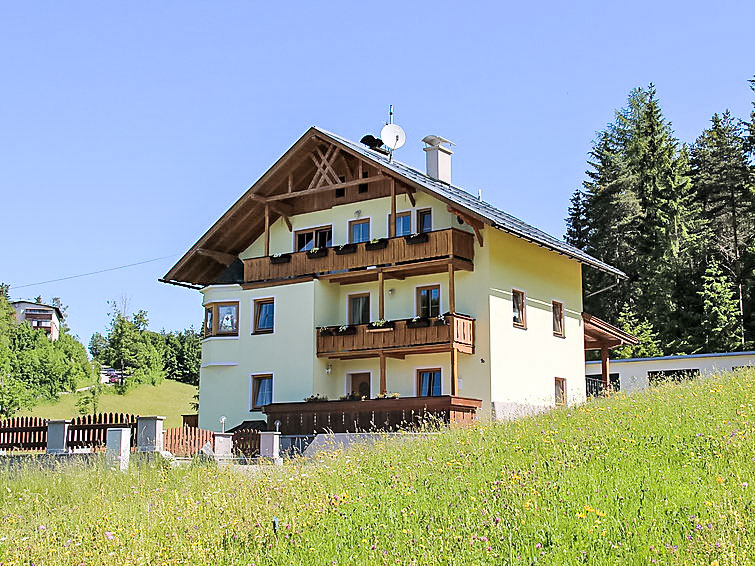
(438, 158)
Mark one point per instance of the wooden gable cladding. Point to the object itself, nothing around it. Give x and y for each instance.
(316, 173)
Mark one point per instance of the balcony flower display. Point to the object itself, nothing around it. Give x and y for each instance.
(280, 258)
(325, 331)
(381, 324)
(441, 320)
(317, 252)
(345, 249)
(376, 244)
(346, 330)
(416, 238)
(418, 322)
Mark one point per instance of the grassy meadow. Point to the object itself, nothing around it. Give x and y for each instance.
(664, 477)
(169, 398)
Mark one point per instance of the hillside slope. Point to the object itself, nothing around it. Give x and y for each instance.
(661, 477)
(169, 398)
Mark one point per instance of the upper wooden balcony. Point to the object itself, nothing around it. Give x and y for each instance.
(397, 338)
(397, 258)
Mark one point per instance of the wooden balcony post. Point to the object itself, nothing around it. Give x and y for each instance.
(454, 371)
(267, 229)
(451, 289)
(383, 385)
(605, 366)
(392, 227)
(381, 296)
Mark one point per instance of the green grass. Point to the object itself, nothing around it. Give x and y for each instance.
(170, 399)
(663, 477)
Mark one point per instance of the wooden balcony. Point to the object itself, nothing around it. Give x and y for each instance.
(397, 259)
(398, 340)
(370, 414)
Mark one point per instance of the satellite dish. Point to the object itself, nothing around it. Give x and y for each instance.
(393, 136)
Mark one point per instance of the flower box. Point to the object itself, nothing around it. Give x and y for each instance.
(378, 244)
(346, 330)
(381, 326)
(280, 258)
(345, 249)
(325, 331)
(315, 253)
(412, 239)
(418, 322)
(442, 320)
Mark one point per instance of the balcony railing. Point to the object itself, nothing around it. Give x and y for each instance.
(370, 414)
(403, 336)
(450, 243)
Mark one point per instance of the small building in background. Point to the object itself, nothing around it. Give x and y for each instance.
(636, 374)
(39, 316)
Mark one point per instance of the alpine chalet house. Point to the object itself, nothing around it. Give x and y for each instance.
(379, 293)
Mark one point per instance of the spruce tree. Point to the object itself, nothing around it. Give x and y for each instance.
(720, 322)
(576, 222)
(641, 329)
(722, 179)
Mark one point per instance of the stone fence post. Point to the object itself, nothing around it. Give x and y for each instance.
(223, 445)
(118, 448)
(149, 434)
(57, 436)
(270, 446)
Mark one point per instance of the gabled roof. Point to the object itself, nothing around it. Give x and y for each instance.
(495, 216)
(241, 225)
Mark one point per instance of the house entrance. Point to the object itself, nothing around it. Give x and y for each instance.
(360, 384)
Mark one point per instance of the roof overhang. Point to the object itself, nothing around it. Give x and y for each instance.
(599, 334)
(243, 223)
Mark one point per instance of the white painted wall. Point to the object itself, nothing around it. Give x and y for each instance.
(633, 372)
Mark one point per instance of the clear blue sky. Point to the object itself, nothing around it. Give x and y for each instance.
(127, 129)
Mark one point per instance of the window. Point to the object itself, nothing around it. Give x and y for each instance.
(360, 384)
(221, 319)
(424, 220)
(428, 382)
(520, 308)
(359, 308)
(314, 238)
(403, 223)
(264, 316)
(560, 391)
(262, 391)
(594, 383)
(428, 301)
(558, 319)
(676, 375)
(359, 231)
(363, 187)
(340, 193)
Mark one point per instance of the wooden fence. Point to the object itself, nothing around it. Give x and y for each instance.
(246, 442)
(23, 433)
(88, 431)
(186, 441)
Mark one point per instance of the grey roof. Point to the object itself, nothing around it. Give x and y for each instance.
(497, 218)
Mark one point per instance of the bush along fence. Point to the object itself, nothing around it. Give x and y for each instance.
(141, 434)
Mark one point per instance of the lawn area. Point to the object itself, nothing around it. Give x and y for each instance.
(663, 477)
(170, 399)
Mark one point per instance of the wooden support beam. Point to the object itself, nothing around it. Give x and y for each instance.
(325, 169)
(267, 229)
(223, 258)
(605, 367)
(383, 380)
(290, 182)
(451, 289)
(454, 371)
(392, 227)
(381, 296)
(316, 177)
(474, 223)
(287, 220)
(325, 188)
(410, 194)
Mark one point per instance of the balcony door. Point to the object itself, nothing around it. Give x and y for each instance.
(359, 308)
(359, 384)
